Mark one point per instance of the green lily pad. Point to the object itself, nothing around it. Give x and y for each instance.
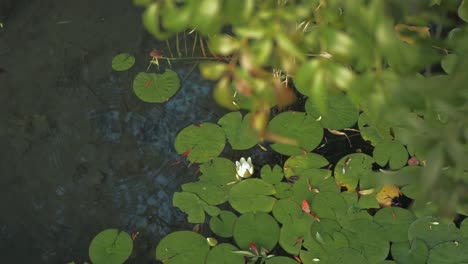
(286, 211)
(449, 62)
(182, 247)
(280, 260)
(223, 253)
(238, 131)
(432, 231)
(406, 253)
(223, 224)
(373, 130)
(348, 255)
(123, 62)
(394, 222)
(351, 167)
(208, 192)
(110, 246)
(294, 165)
(365, 236)
(252, 195)
(156, 88)
(200, 143)
(219, 171)
(368, 201)
(283, 190)
(294, 232)
(328, 205)
(392, 152)
(452, 252)
(190, 204)
(341, 112)
(259, 228)
(272, 176)
(464, 228)
(299, 127)
(311, 183)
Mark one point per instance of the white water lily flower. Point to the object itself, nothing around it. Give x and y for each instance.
(244, 168)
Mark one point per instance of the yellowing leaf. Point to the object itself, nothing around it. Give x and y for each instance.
(386, 195)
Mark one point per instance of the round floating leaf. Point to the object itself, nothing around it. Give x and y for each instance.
(209, 192)
(283, 190)
(341, 112)
(296, 164)
(223, 224)
(449, 62)
(294, 232)
(224, 253)
(182, 247)
(252, 195)
(219, 171)
(328, 205)
(452, 252)
(280, 260)
(123, 62)
(406, 253)
(286, 211)
(156, 88)
(190, 204)
(365, 236)
(392, 152)
(200, 143)
(373, 130)
(464, 228)
(272, 176)
(298, 128)
(432, 232)
(259, 228)
(110, 246)
(348, 255)
(311, 183)
(238, 131)
(394, 222)
(351, 167)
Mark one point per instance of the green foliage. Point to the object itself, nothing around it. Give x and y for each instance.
(156, 88)
(182, 247)
(123, 62)
(110, 246)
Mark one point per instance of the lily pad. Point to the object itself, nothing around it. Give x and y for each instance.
(286, 211)
(348, 255)
(432, 231)
(252, 195)
(283, 190)
(449, 62)
(351, 167)
(110, 246)
(406, 253)
(238, 131)
(190, 204)
(341, 113)
(452, 252)
(156, 88)
(303, 131)
(296, 164)
(182, 247)
(200, 143)
(391, 152)
(313, 182)
(272, 176)
(219, 171)
(394, 222)
(259, 228)
(328, 205)
(123, 62)
(223, 224)
(464, 228)
(373, 130)
(208, 192)
(224, 253)
(280, 260)
(294, 232)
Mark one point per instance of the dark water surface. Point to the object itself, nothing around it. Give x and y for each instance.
(79, 152)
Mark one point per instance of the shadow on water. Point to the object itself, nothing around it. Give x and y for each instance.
(79, 152)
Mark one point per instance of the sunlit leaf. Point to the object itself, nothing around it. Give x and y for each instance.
(224, 253)
(252, 195)
(293, 233)
(190, 204)
(209, 192)
(295, 165)
(238, 130)
(110, 246)
(259, 228)
(123, 62)
(270, 175)
(223, 224)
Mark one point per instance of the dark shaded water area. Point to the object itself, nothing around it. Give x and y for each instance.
(79, 152)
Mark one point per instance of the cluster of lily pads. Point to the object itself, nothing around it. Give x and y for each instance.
(300, 211)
